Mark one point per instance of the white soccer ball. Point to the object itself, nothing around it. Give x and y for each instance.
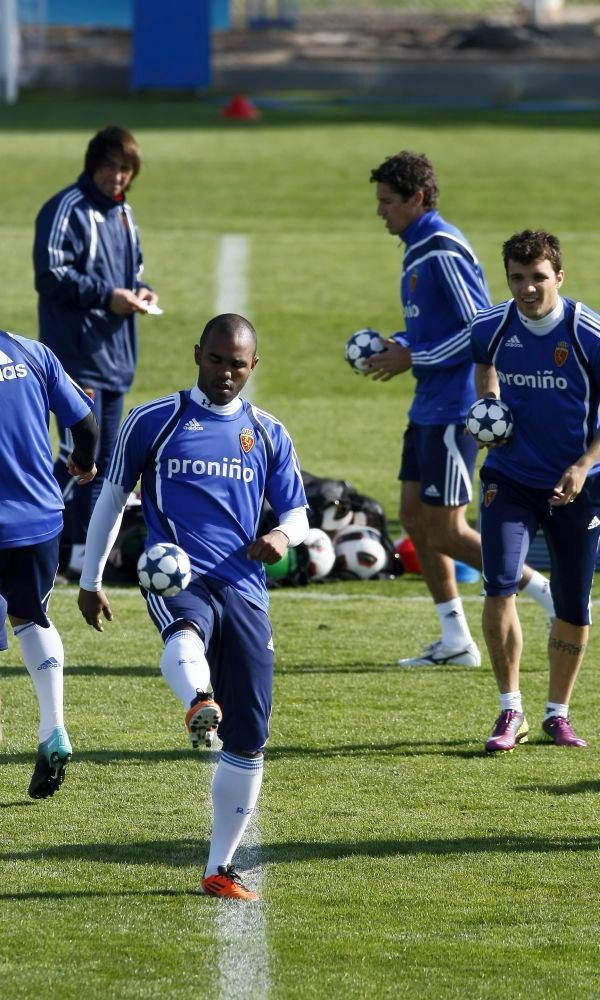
(335, 517)
(490, 421)
(164, 569)
(361, 346)
(359, 550)
(321, 553)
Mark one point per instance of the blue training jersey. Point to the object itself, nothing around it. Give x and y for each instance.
(204, 476)
(32, 383)
(441, 289)
(550, 381)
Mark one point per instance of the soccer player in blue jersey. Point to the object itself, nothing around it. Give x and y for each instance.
(33, 383)
(441, 289)
(207, 459)
(539, 352)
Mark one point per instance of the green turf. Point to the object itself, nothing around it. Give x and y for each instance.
(400, 861)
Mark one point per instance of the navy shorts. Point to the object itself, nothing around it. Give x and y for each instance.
(27, 577)
(440, 457)
(511, 514)
(238, 641)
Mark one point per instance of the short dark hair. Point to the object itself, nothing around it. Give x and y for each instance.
(229, 323)
(112, 141)
(406, 173)
(530, 245)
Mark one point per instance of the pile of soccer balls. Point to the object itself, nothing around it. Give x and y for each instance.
(355, 550)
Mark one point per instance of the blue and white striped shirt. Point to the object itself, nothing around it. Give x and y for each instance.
(550, 381)
(441, 289)
(204, 476)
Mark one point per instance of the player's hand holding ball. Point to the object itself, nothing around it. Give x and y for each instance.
(490, 422)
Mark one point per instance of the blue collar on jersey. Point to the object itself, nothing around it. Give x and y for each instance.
(415, 231)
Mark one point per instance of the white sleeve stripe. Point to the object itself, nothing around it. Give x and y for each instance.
(461, 292)
(116, 467)
(447, 236)
(450, 347)
(60, 225)
(93, 236)
(256, 411)
(432, 253)
(485, 314)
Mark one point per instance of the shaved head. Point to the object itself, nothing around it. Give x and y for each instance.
(234, 325)
(226, 357)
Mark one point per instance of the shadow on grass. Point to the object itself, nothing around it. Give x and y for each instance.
(456, 748)
(184, 853)
(94, 670)
(577, 788)
(41, 111)
(96, 894)
(123, 756)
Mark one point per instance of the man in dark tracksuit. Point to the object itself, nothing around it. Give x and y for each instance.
(88, 266)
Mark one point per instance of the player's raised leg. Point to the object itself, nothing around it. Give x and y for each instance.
(185, 668)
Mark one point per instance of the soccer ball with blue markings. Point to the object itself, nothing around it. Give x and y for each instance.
(361, 346)
(490, 421)
(164, 569)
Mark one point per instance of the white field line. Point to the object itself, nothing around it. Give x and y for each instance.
(242, 930)
(231, 293)
(241, 927)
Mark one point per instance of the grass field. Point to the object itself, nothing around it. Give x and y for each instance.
(395, 859)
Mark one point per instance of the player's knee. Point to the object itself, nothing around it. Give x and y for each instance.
(412, 522)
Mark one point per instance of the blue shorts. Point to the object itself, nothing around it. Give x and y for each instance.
(510, 517)
(27, 577)
(238, 641)
(440, 457)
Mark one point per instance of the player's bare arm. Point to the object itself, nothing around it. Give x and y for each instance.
(486, 381)
(573, 478)
(269, 548)
(395, 360)
(94, 604)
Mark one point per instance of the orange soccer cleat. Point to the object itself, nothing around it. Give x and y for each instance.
(227, 884)
(202, 718)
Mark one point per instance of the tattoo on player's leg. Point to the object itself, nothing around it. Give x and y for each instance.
(572, 648)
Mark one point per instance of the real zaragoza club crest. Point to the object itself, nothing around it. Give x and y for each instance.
(561, 353)
(247, 439)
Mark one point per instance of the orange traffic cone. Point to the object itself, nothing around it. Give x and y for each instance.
(241, 108)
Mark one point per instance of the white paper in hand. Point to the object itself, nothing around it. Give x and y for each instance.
(153, 310)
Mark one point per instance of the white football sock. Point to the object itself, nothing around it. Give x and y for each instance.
(235, 790)
(556, 708)
(44, 657)
(455, 628)
(539, 588)
(184, 666)
(511, 702)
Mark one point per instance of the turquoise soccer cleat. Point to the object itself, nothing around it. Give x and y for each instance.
(52, 758)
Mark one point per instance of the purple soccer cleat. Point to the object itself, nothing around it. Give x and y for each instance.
(510, 728)
(558, 730)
